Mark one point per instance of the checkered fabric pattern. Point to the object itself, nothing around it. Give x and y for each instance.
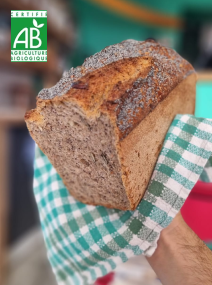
(206, 175)
(85, 242)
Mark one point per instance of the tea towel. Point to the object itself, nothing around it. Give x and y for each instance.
(206, 175)
(85, 242)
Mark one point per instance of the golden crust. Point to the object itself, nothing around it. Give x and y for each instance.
(127, 85)
(128, 91)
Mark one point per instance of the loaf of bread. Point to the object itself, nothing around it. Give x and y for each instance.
(103, 124)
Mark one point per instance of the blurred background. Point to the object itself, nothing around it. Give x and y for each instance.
(76, 30)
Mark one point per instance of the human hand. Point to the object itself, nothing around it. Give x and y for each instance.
(181, 256)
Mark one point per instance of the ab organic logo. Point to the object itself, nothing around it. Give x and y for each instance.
(29, 36)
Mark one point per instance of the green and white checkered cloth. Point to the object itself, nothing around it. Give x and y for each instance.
(206, 175)
(85, 242)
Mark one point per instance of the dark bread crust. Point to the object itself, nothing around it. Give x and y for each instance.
(137, 85)
(132, 96)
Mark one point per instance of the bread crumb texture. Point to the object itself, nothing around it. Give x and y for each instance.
(86, 123)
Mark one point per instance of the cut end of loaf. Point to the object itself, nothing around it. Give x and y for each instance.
(83, 152)
(95, 120)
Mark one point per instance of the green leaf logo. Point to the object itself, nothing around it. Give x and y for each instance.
(35, 23)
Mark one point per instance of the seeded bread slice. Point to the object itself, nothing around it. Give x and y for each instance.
(103, 124)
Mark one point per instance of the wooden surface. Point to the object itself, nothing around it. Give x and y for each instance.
(204, 75)
(141, 14)
(3, 198)
(49, 71)
(8, 117)
(50, 67)
(11, 116)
